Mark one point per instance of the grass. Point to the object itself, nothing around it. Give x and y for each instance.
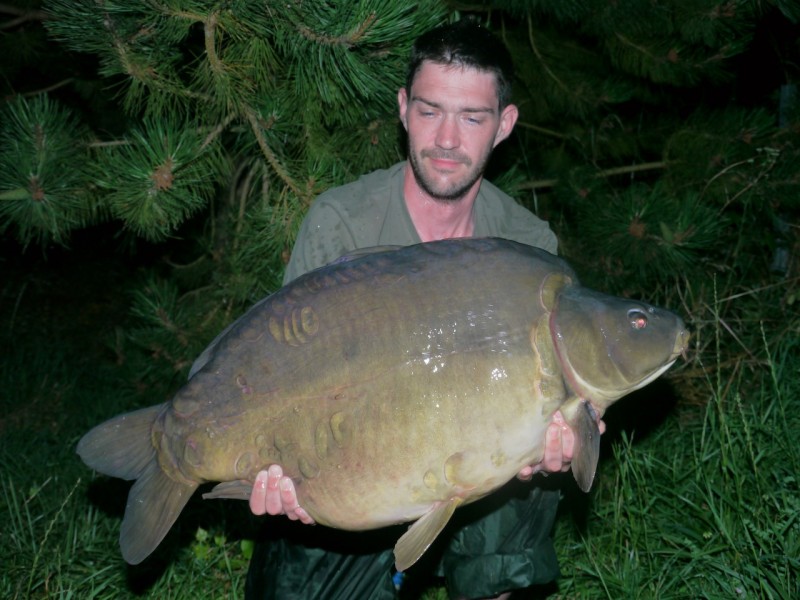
(59, 541)
(706, 505)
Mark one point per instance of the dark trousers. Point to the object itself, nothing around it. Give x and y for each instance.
(497, 544)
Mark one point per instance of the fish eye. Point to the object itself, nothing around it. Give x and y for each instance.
(637, 318)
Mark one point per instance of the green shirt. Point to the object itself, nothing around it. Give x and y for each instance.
(371, 211)
(508, 547)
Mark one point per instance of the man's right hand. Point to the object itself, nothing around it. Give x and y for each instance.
(274, 494)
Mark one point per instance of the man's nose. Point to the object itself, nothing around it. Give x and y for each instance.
(447, 135)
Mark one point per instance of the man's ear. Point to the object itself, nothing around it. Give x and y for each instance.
(402, 105)
(508, 119)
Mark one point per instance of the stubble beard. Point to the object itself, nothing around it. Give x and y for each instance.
(454, 191)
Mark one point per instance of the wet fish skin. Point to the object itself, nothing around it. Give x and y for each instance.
(391, 387)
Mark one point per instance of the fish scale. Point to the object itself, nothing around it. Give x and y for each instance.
(392, 386)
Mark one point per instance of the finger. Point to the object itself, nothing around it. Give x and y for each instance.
(272, 503)
(304, 517)
(553, 461)
(527, 472)
(288, 498)
(259, 494)
(275, 474)
(567, 446)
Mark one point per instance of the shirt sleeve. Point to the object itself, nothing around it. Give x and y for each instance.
(536, 232)
(324, 236)
(499, 215)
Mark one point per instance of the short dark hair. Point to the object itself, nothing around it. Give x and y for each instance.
(464, 43)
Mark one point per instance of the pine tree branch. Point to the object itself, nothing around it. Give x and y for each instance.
(183, 14)
(548, 183)
(789, 283)
(209, 35)
(214, 133)
(543, 130)
(243, 192)
(49, 88)
(547, 70)
(146, 74)
(108, 144)
(272, 159)
(21, 14)
(633, 169)
(349, 40)
(641, 49)
(772, 157)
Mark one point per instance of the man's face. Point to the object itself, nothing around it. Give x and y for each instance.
(453, 121)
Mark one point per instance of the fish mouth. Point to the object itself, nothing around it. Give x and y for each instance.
(682, 345)
(678, 350)
(599, 401)
(655, 375)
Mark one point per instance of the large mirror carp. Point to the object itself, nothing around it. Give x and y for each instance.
(393, 386)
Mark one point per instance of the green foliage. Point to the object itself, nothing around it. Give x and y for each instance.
(677, 43)
(790, 9)
(729, 179)
(62, 525)
(160, 176)
(236, 113)
(706, 507)
(43, 171)
(645, 232)
(163, 330)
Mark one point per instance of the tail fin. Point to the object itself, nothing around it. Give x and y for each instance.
(154, 503)
(123, 447)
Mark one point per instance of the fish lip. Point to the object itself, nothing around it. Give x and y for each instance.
(682, 344)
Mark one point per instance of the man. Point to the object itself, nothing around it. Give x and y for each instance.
(455, 108)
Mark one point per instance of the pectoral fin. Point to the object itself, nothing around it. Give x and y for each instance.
(235, 490)
(587, 445)
(421, 534)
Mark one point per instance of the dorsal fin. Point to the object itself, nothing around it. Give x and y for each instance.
(361, 252)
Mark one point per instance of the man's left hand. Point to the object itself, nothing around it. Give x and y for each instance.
(273, 493)
(558, 449)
